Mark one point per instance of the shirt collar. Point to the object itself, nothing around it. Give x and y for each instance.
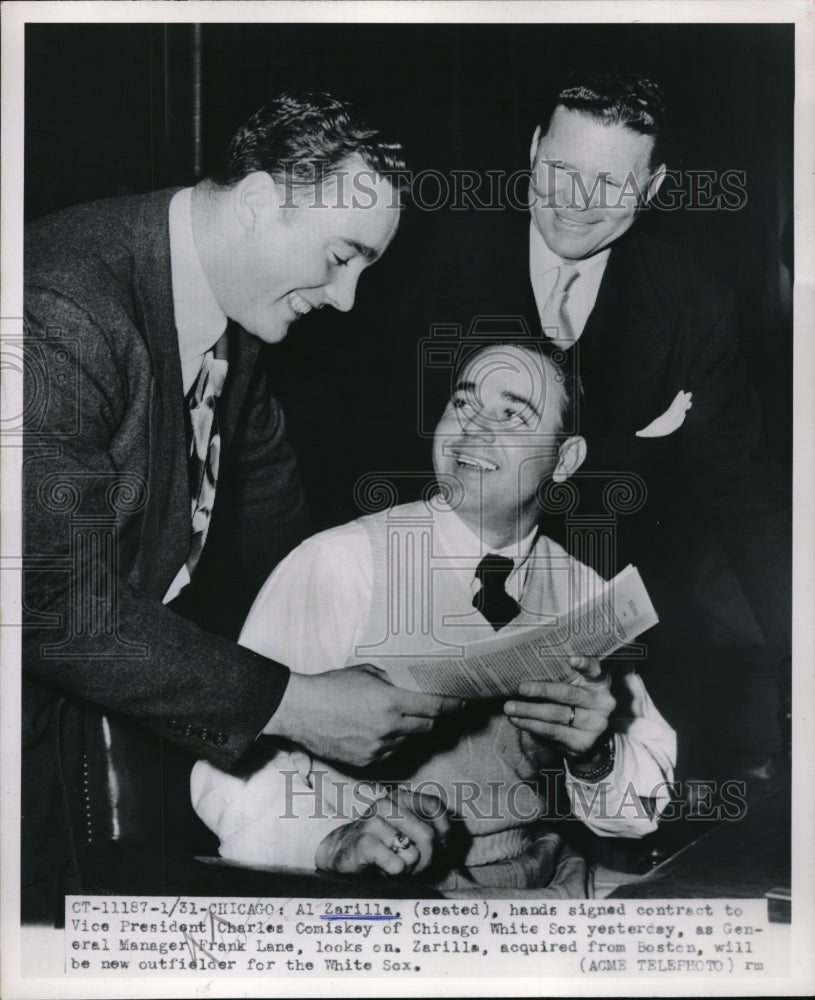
(199, 320)
(462, 546)
(543, 260)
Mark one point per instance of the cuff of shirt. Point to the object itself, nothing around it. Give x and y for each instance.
(628, 801)
(274, 817)
(264, 842)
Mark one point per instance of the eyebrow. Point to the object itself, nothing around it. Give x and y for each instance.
(522, 400)
(362, 249)
(511, 397)
(606, 174)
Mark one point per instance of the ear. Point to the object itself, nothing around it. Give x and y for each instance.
(533, 149)
(571, 455)
(655, 183)
(255, 196)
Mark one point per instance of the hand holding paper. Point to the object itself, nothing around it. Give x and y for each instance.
(573, 715)
(497, 666)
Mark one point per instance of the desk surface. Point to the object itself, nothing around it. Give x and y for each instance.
(740, 859)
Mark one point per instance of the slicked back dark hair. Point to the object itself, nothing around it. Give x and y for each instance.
(300, 138)
(618, 97)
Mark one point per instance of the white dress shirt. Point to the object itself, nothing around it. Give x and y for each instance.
(543, 265)
(199, 320)
(312, 613)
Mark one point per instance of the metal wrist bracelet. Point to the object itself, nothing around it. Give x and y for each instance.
(603, 767)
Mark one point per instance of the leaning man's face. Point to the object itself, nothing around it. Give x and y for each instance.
(312, 254)
(588, 180)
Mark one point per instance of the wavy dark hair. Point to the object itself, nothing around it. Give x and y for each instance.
(300, 138)
(616, 97)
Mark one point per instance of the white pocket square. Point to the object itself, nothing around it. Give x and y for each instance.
(671, 420)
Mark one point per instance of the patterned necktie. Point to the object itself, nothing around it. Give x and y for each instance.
(492, 600)
(205, 444)
(554, 317)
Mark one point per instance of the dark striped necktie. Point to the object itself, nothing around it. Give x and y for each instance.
(205, 444)
(492, 600)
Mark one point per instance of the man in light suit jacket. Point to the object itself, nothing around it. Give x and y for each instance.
(129, 303)
(667, 405)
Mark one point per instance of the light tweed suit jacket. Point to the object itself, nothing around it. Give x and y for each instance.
(107, 509)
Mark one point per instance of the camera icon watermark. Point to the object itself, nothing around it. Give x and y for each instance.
(450, 352)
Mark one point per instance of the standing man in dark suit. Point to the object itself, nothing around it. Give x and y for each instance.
(667, 407)
(159, 490)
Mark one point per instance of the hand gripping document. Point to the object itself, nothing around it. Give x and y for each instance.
(494, 667)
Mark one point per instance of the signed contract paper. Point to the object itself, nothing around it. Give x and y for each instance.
(494, 667)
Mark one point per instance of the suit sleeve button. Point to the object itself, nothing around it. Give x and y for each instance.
(220, 740)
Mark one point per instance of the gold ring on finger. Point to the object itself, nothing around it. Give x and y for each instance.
(400, 843)
(570, 723)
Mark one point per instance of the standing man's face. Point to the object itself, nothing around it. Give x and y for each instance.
(588, 179)
(304, 249)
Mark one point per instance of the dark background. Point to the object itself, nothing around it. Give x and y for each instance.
(111, 109)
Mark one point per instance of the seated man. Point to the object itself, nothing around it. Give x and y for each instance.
(501, 438)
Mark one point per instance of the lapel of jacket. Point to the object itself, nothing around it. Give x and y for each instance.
(511, 240)
(481, 267)
(168, 513)
(628, 329)
(526, 296)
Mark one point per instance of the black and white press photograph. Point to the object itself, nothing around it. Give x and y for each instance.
(407, 497)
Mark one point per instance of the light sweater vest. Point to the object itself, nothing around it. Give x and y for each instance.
(419, 604)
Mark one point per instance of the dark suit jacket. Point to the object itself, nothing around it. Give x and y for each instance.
(715, 509)
(107, 515)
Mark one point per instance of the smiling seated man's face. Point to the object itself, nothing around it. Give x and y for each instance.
(499, 438)
(588, 181)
